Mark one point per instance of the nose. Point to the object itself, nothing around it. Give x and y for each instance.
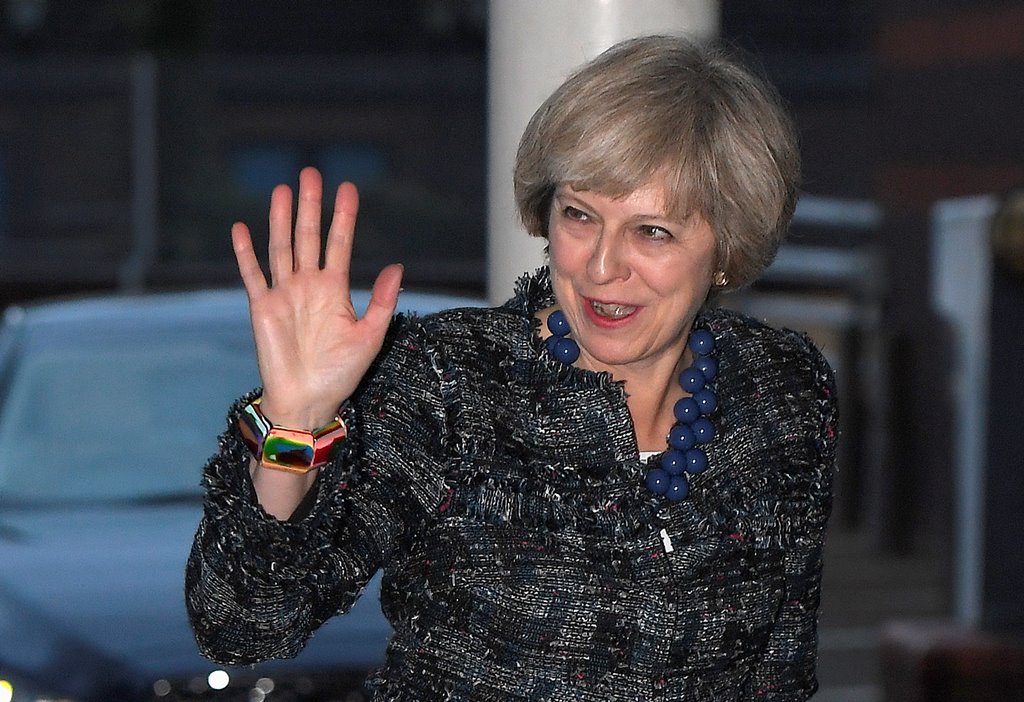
(608, 260)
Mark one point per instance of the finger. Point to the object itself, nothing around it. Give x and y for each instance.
(280, 246)
(383, 299)
(307, 220)
(248, 265)
(338, 253)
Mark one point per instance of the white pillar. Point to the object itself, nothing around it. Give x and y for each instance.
(533, 46)
(962, 293)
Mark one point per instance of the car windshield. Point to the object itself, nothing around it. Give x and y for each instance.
(123, 420)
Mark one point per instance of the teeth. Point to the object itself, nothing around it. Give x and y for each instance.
(613, 311)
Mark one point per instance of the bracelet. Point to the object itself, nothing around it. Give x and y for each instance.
(291, 450)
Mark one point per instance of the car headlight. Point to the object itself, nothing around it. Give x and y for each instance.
(12, 690)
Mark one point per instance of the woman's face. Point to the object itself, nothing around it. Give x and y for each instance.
(629, 279)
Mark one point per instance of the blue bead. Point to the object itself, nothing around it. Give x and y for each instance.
(706, 400)
(673, 462)
(686, 410)
(558, 324)
(703, 430)
(702, 342)
(566, 351)
(681, 437)
(678, 488)
(691, 380)
(696, 461)
(657, 481)
(550, 342)
(706, 365)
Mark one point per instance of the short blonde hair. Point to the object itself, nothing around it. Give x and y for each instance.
(664, 107)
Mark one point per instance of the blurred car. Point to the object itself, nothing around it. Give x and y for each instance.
(109, 407)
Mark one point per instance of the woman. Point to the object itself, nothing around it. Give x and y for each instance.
(508, 469)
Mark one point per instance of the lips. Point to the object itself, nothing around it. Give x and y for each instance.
(608, 314)
(612, 310)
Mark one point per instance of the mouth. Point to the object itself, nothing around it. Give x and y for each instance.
(612, 310)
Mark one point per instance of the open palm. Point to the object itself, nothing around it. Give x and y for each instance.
(311, 345)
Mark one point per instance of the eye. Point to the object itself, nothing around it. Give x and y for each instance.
(650, 231)
(570, 212)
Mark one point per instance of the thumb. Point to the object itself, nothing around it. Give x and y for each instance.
(384, 298)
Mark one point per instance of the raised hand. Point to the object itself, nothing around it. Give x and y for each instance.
(312, 347)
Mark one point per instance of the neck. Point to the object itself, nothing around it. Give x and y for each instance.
(651, 392)
(650, 398)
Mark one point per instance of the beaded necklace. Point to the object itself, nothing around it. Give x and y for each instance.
(693, 428)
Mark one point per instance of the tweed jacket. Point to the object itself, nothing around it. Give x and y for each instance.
(502, 494)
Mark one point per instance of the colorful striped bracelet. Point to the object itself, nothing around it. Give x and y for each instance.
(291, 450)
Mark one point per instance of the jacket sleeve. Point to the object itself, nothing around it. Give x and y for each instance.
(255, 587)
(786, 670)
